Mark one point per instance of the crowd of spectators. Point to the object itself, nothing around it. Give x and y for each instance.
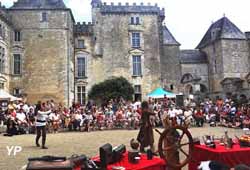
(20, 117)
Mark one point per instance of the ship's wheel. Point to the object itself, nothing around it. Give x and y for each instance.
(175, 146)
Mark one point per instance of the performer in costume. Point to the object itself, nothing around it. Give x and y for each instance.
(41, 125)
(146, 136)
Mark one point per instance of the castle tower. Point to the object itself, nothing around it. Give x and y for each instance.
(170, 61)
(126, 39)
(227, 51)
(97, 22)
(43, 50)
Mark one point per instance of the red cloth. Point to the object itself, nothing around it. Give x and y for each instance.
(155, 164)
(230, 157)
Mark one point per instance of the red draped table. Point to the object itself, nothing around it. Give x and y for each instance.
(155, 164)
(230, 157)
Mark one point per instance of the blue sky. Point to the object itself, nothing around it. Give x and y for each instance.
(188, 20)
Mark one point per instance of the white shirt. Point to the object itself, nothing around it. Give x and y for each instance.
(188, 114)
(171, 113)
(41, 118)
(78, 117)
(21, 116)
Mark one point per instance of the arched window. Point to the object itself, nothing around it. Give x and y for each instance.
(203, 88)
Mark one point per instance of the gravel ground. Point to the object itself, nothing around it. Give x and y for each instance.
(69, 143)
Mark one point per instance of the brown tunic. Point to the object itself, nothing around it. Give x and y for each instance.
(146, 136)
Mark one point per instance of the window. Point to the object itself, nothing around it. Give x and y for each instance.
(137, 71)
(1, 85)
(215, 66)
(2, 31)
(135, 20)
(132, 21)
(81, 94)
(17, 36)
(44, 17)
(171, 87)
(16, 92)
(138, 95)
(17, 64)
(2, 59)
(136, 42)
(81, 67)
(81, 44)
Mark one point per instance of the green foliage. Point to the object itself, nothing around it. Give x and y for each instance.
(112, 89)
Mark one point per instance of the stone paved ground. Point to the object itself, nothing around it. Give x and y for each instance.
(66, 144)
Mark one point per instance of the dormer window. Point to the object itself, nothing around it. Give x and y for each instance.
(214, 33)
(44, 17)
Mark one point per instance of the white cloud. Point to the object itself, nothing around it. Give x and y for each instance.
(81, 9)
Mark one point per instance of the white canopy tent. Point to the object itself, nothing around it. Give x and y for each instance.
(6, 96)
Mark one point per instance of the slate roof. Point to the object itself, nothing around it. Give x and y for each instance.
(247, 35)
(168, 38)
(221, 29)
(40, 4)
(192, 57)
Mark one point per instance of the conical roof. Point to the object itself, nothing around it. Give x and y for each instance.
(221, 29)
(168, 38)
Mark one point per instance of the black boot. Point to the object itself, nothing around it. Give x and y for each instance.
(37, 141)
(43, 143)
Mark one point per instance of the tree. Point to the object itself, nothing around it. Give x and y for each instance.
(114, 88)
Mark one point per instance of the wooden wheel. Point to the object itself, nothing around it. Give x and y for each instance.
(171, 144)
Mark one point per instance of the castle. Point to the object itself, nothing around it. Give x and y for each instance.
(45, 54)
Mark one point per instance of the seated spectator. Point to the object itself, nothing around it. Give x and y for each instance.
(119, 118)
(22, 123)
(188, 114)
(11, 124)
(246, 122)
(55, 121)
(135, 119)
(199, 117)
(100, 120)
(88, 121)
(77, 119)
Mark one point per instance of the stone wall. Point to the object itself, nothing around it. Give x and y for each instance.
(5, 43)
(47, 55)
(114, 45)
(171, 68)
(235, 58)
(231, 58)
(215, 66)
